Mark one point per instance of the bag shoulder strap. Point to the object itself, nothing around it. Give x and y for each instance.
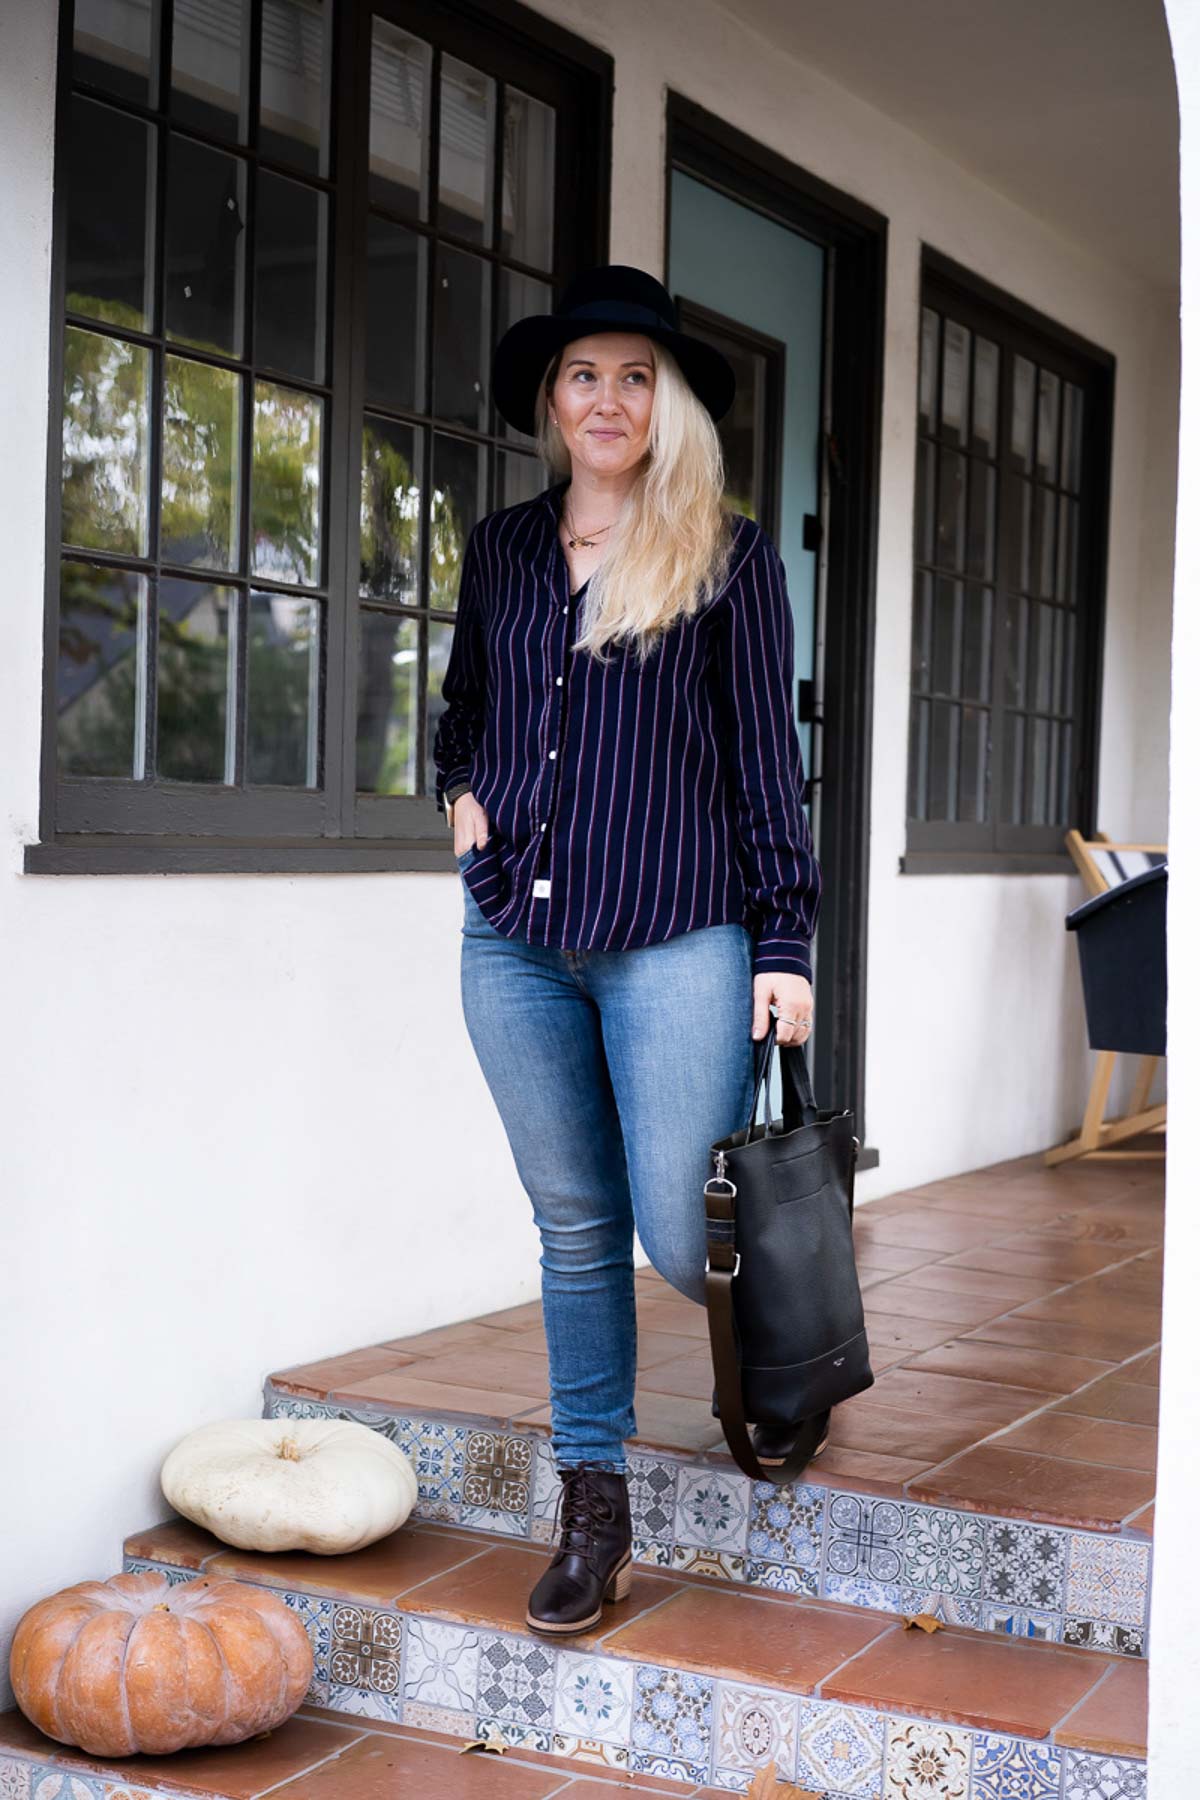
(718, 1294)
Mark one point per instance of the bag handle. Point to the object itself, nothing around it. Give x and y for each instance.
(799, 1100)
(799, 1106)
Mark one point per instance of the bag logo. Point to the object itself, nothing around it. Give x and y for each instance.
(838, 1361)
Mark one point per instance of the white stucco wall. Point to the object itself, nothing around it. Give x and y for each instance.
(241, 1121)
(1175, 1600)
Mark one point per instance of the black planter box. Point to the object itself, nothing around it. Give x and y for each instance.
(1123, 960)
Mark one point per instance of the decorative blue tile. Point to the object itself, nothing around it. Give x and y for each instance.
(755, 1726)
(1011, 1769)
(316, 1616)
(1018, 1621)
(139, 1565)
(711, 1511)
(1102, 1778)
(545, 1490)
(364, 1661)
(516, 1684)
(672, 1724)
(1026, 1566)
(860, 1590)
(787, 1526)
(441, 1665)
(290, 1406)
(436, 1451)
(57, 1784)
(839, 1749)
(497, 1482)
(593, 1698)
(783, 1578)
(943, 1551)
(927, 1761)
(1107, 1579)
(16, 1778)
(865, 1539)
(652, 1497)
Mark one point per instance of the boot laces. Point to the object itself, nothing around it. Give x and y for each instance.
(581, 1507)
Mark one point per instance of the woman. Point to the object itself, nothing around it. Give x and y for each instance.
(625, 782)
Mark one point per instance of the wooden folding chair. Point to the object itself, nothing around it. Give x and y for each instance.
(1104, 865)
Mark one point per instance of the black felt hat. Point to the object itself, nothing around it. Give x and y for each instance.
(613, 297)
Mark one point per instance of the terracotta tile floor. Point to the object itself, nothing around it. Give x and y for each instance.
(1013, 1315)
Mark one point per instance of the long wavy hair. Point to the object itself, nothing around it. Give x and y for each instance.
(670, 546)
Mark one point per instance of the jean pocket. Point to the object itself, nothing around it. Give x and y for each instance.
(463, 858)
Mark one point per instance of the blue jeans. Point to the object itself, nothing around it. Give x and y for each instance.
(613, 1071)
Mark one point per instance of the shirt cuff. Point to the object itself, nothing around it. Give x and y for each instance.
(781, 956)
(455, 786)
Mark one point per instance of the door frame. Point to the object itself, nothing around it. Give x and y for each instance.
(854, 236)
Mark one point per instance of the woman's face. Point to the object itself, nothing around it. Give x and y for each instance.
(602, 398)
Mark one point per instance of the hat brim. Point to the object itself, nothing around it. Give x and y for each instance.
(519, 362)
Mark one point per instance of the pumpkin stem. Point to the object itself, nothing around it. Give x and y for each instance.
(289, 1450)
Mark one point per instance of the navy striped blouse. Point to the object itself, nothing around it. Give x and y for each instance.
(626, 805)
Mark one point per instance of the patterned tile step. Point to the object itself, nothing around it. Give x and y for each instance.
(337, 1760)
(989, 1572)
(695, 1684)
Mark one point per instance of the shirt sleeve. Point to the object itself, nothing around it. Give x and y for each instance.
(464, 686)
(756, 665)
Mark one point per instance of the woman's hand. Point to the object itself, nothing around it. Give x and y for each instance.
(793, 997)
(470, 823)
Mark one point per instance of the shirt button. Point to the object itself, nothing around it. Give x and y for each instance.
(542, 827)
(564, 609)
(553, 754)
(558, 681)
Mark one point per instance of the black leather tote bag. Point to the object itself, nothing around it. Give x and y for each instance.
(785, 1311)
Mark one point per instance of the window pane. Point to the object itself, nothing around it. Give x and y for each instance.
(520, 295)
(1021, 425)
(285, 508)
(956, 349)
(1043, 539)
(1066, 776)
(101, 671)
(114, 47)
(456, 504)
(1017, 525)
(527, 194)
(972, 765)
(927, 385)
(977, 642)
(1068, 546)
(943, 759)
(1047, 435)
(206, 222)
(927, 454)
(290, 252)
(981, 524)
(947, 629)
(397, 265)
(521, 478)
(1072, 435)
(1012, 804)
(1041, 750)
(1066, 696)
(922, 633)
(110, 178)
(1016, 641)
(283, 686)
(465, 151)
(1041, 671)
(386, 758)
(986, 403)
(918, 760)
(462, 340)
(210, 62)
(390, 524)
(196, 675)
(293, 108)
(200, 486)
(952, 510)
(400, 72)
(106, 443)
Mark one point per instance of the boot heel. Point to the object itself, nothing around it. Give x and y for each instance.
(620, 1582)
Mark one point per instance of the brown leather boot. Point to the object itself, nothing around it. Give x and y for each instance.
(594, 1560)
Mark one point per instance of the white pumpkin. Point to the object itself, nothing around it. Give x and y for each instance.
(325, 1485)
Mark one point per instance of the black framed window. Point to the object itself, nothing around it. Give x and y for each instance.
(1009, 550)
(287, 234)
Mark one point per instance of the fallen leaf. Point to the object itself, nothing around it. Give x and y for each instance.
(923, 1622)
(766, 1786)
(496, 1745)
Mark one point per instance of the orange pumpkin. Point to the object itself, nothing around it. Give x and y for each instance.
(138, 1664)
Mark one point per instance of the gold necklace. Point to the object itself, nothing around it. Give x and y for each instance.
(576, 542)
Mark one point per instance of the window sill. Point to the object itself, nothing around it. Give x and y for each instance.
(984, 862)
(101, 855)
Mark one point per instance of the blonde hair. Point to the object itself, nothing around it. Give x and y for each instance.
(669, 548)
